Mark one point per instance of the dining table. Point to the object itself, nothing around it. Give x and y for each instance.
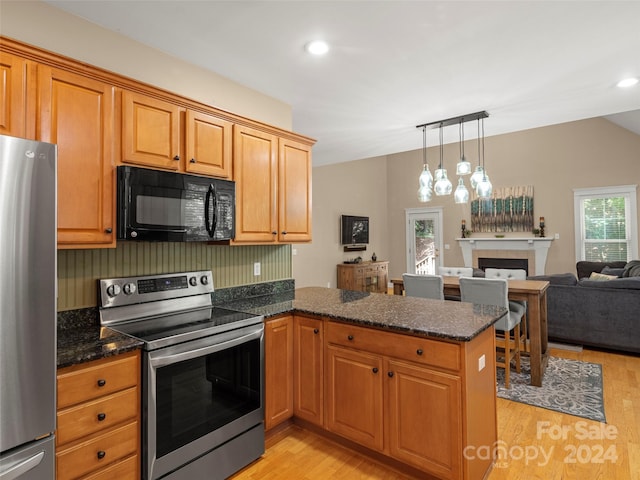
(534, 292)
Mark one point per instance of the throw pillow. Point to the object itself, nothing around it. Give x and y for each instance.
(613, 271)
(601, 276)
(632, 269)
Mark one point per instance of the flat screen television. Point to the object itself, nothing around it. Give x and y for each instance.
(354, 230)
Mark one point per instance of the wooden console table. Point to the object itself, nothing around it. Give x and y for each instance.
(364, 276)
(535, 293)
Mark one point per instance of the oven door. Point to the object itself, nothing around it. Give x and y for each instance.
(199, 395)
(165, 206)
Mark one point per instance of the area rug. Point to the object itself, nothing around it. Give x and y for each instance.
(568, 386)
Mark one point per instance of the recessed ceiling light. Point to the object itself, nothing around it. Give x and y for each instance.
(317, 47)
(627, 82)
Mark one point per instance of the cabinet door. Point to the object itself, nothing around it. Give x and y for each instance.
(294, 192)
(354, 396)
(278, 371)
(14, 97)
(208, 145)
(255, 172)
(150, 132)
(308, 369)
(425, 425)
(76, 113)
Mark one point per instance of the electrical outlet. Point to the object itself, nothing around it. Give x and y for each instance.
(256, 269)
(481, 363)
(328, 284)
(557, 236)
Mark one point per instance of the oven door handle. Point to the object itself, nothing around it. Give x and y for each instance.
(206, 350)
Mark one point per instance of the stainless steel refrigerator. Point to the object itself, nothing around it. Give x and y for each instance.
(27, 309)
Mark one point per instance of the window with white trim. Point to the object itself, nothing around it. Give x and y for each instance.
(606, 223)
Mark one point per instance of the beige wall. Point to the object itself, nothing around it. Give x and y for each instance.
(554, 159)
(352, 188)
(37, 23)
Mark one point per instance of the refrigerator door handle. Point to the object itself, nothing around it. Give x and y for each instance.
(16, 470)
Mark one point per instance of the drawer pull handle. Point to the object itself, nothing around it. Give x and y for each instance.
(350, 337)
(390, 374)
(177, 158)
(315, 330)
(102, 416)
(419, 351)
(101, 454)
(108, 230)
(102, 382)
(375, 370)
(193, 160)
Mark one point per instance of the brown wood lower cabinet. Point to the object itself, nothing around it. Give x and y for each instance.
(278, 370)
(418, 401)
(98, 435)
(308, 369)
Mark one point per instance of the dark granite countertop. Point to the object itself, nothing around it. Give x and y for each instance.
(417, 316)
(81, 339)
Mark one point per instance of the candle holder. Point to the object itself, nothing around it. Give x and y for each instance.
(542, 228)
(463, 229)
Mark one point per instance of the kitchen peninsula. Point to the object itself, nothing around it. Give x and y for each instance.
(409, 381)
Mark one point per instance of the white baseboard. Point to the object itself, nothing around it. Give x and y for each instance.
(565, 346)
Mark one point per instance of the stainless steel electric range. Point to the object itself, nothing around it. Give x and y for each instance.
(202, 371)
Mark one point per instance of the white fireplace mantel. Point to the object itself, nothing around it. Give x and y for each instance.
(536, 247)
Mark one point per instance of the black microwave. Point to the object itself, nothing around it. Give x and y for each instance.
(173, 207)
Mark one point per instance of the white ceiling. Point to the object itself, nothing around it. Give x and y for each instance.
(396, 64)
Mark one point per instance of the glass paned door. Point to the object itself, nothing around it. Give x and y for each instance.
(424, 240)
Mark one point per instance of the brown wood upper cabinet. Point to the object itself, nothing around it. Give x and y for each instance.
(14, 96)
(77, 114)
(153, 134)
(273, 188)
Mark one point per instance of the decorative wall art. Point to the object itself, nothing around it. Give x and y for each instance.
(510, 209)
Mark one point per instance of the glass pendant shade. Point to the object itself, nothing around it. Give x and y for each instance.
(443, 184)
(461, 194)
(426, 184)
(476, 178)
(463, 167)
(484, 188)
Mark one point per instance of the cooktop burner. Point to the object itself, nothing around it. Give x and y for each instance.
(167, 309)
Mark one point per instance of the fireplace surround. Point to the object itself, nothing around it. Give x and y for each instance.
(532, 250)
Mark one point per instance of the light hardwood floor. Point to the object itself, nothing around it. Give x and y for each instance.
(532, 437)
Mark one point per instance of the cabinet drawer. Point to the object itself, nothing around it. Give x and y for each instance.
(91, 417)
(414, 349)
(127, 469)
(81, 383)
(84, 458)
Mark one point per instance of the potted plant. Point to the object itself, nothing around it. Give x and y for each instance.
(536, 232)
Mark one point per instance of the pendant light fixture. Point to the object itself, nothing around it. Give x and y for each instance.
(426, 180)
(484, 188)
(439, 182)
(463, 167)
(476, 178)
(461, 195)
(443, 184)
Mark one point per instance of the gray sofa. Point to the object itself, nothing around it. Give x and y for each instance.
(596, 313)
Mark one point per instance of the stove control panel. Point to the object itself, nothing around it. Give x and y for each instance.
(115, 292)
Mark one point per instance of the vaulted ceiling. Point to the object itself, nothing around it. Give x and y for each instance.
(395, 64)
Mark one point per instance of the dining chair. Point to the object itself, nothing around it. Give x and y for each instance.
(455, 272)
(425, 286)
(515, 274)
(493, 291)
